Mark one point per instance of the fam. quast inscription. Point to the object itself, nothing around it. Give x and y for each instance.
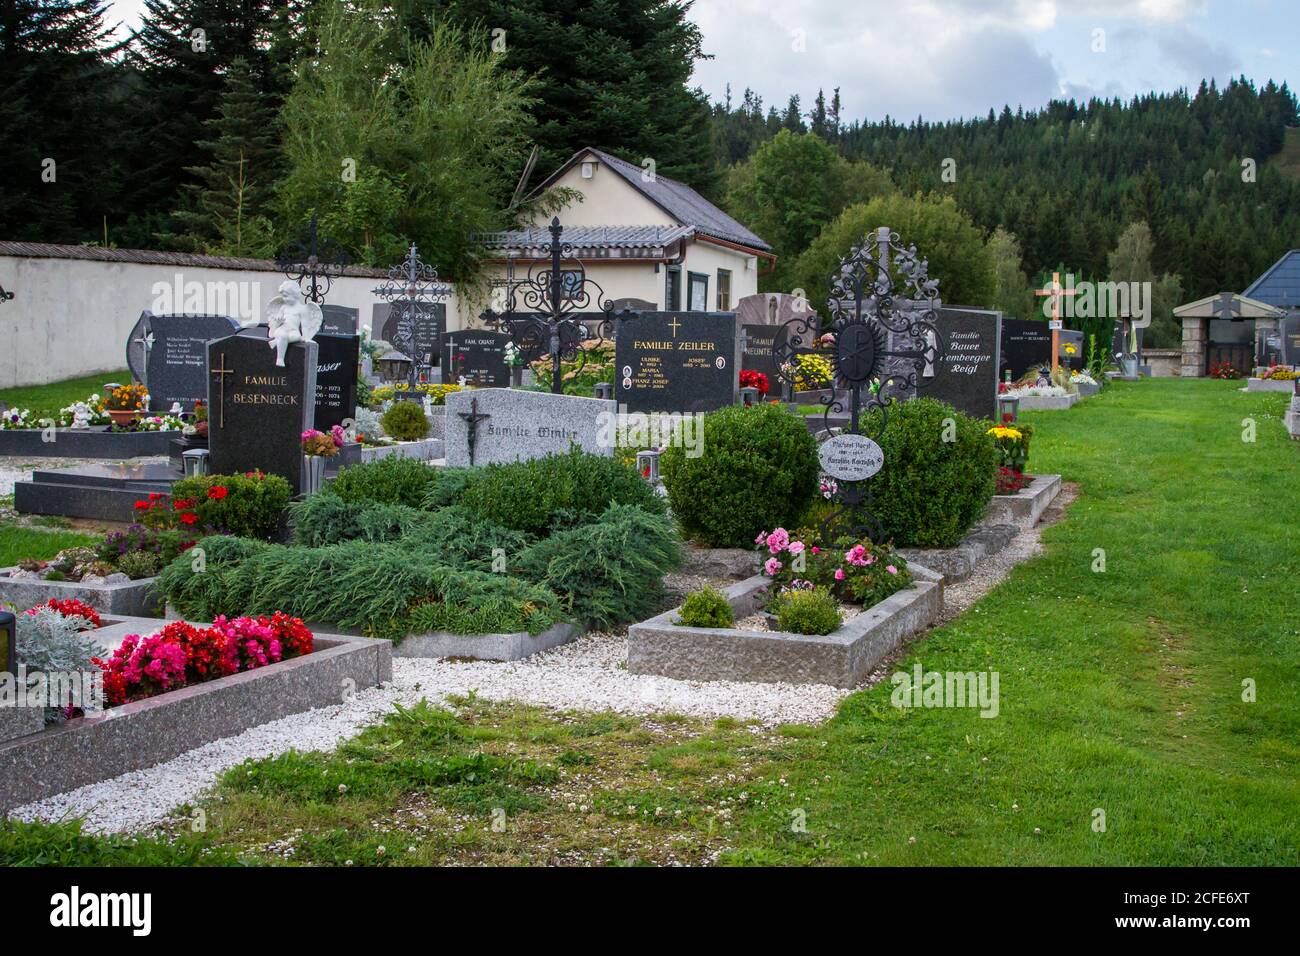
(850, 457)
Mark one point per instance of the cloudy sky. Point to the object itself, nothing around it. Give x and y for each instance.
(948, 58)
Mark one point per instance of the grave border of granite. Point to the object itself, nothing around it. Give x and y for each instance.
(129, 598)
(1292, 418)
(143, 733)
(1087, 389)
(426, 449)
(659, 646)
(93, 442)
(1270, 385)
(1026, 506)
(1048, 403)
(493, 646)
(959, 562)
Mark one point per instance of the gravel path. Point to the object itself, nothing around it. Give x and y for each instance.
(588, 674)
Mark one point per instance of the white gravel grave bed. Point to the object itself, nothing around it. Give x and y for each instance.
(587, 674)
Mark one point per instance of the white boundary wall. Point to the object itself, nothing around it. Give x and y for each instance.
(71, 316)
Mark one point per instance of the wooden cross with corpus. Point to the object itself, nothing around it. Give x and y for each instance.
(1055, 291)
(472, 419)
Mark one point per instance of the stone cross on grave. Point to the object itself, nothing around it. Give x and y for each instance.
(472, 419)
(1055, 291)
(221, 374)
(147, 341)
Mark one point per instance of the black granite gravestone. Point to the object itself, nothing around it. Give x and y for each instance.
(176, 358)
(1289, 329)
(413, 328)
(478, 355)
(966, 377)
(1071, 349)
(1026, 346)
(677, 361)
(336, 379)
(259, 410)
(339, 319)
(756, 353)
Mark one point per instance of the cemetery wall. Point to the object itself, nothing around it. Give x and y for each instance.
(1165, 363)
(72, 312)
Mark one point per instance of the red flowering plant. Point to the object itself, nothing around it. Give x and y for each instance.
(71, 607)
(851, 569)
(751, 379)
(1224, 370)
(182, 654)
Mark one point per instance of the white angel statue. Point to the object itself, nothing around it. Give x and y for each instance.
(292, 317)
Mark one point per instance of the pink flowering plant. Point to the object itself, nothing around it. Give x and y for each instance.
(853, 570)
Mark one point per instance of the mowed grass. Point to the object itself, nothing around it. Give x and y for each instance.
(1121, 738)
(17, 543)
(50, 398)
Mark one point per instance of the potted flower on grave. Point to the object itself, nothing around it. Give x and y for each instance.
(1013, 450)
(316, 447)
(126, 403)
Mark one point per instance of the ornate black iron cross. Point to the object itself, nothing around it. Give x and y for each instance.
(411, 284)
(472, 419)
(315, 262)
(880, 338)
(552, 296)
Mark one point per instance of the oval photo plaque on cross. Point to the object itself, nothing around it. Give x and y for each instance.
(850, 457)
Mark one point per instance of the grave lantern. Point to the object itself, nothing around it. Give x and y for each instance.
(647, 463)
(8, 643)
(748, 395)
(195, 462)
(1008, 408)
(394, 367)
(604, 389)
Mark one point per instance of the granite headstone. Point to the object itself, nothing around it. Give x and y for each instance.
(1026, 346)
(487, 425)
(966, 376)
(1071, 349)
(478, 355)
(1289, 329)
(137, 347)
(259, 410)
(756, 352)
(339, 319)
(677, 361)
(413, 328)
(176, 362)
(336, 379)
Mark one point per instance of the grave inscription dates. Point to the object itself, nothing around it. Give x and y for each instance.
(966, 377)
(175, 356)
(757, 355)
(336, 379)
(478, 355)
(259, 410)
(677, 361)
(412, 327)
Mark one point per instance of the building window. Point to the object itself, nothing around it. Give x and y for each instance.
(724, 290)
(673, 290)
(699, 293)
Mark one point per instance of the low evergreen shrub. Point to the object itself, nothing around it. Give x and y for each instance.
(556, 492)
(758, 470)
(396, 481)
(405, 421)
(608, 572)
(807, 612)
(706, 607)
(939, 475)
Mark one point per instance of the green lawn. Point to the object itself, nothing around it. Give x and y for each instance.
(1121, 693)
(50, 398)
(17, 543)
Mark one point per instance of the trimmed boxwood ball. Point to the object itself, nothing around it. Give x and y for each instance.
(393, 480)
(757, 471)
(931, 490)
(706, 607)
(405, 421)
(807, 612)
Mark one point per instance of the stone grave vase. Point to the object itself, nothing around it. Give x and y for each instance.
(313, 474)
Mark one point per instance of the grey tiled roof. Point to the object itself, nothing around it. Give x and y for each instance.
(627, 241)
(45, 250)
(678, 200)
(1280, 283)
